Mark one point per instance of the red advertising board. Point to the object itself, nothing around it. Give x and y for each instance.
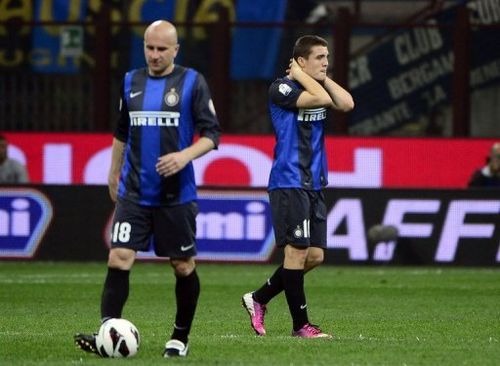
(79, 158)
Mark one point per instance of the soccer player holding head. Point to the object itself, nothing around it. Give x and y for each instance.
(298, 105)
(151, 178)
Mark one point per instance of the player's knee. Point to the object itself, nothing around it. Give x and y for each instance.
(121, 258)
(314, 261)
(314, 258)
(182, 267)
(295, 257)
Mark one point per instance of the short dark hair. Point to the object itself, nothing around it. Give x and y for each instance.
(304, 44)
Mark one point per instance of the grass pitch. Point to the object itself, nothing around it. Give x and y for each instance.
(379, 315)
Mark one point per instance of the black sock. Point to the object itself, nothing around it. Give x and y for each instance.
(293, 283)
(114, 293)
(187, 290)
(272, 287)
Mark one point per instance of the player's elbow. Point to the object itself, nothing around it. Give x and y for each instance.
(346, 105)
(349, 106)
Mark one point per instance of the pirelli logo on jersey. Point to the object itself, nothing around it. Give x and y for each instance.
(162, 119)
(311, 115)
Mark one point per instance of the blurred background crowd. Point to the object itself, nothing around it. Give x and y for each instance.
(415, 68)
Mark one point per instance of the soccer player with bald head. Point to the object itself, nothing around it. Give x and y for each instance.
(151, 178)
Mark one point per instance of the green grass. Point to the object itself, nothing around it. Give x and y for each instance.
(379, 315)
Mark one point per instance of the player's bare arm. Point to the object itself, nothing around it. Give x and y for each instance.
(342, 99)
(172, 163)
(314, 95)
(116, 164)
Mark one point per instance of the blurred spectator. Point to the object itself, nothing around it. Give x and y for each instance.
(11, 171)
(489, 175)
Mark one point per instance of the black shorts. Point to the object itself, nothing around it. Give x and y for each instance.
(170, 229)
(299, 217)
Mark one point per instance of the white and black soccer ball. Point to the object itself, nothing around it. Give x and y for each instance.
(117, 338)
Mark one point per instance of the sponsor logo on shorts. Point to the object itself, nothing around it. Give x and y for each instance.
(303, 231)
(185, 248)
(298, 232)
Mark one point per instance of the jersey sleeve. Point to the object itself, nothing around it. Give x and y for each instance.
(204, 116)
(123, 119)
(284, 93)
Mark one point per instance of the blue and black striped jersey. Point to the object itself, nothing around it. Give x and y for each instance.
(299, 153)
(159, 115)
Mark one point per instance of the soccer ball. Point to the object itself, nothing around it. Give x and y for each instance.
(117, 338)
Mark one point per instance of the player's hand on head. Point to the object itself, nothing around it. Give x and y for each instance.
(293, 68)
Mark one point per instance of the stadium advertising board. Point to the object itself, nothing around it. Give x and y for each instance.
(428, 227)
(24, 216)
(234, 226)
(70, 158)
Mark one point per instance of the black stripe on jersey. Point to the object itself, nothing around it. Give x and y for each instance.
(305, 154)
(139, 80)
(169, 140)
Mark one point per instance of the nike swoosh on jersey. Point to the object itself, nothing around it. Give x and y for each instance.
(303, 306)
(135, 94)
(187, 247)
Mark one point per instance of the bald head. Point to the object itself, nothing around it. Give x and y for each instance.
(160, 47)
(164, 28)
